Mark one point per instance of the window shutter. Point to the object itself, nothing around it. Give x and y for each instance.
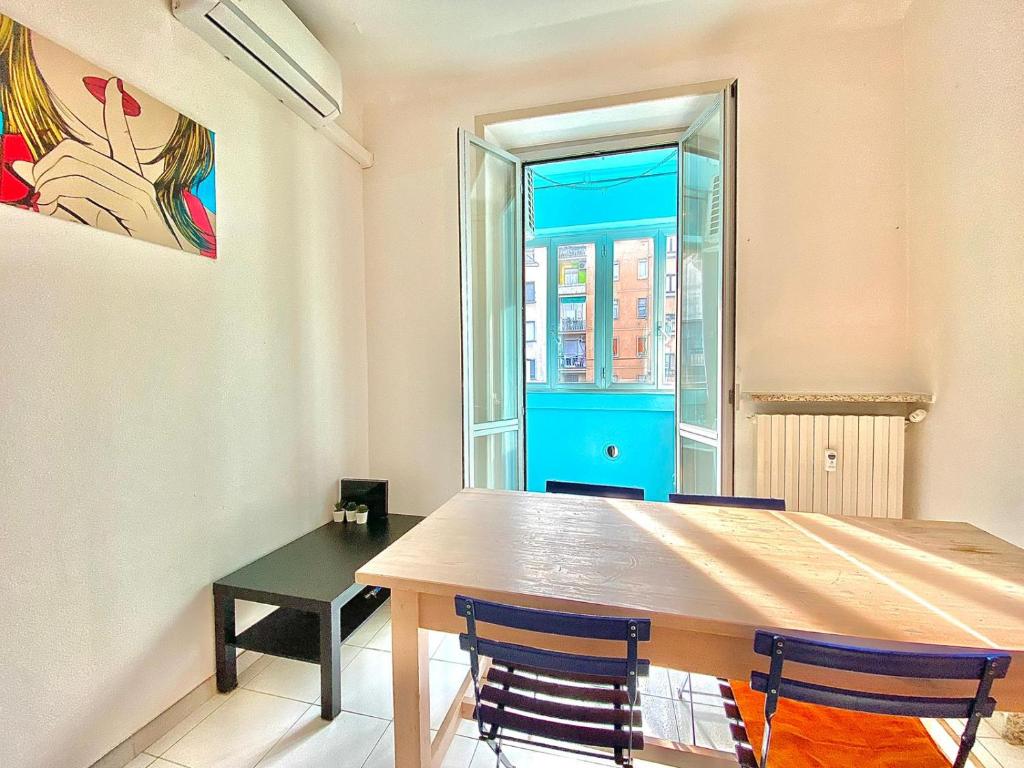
(529, 217)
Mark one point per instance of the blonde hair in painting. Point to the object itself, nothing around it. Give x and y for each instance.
(28, 109)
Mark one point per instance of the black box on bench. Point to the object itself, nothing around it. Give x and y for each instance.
(372, 493)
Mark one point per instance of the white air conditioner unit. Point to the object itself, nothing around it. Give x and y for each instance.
(269, 42)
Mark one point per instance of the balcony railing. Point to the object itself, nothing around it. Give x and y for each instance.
(574, 362)
(573, 325)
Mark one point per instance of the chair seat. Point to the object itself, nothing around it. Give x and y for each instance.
(810, 736)
(590, 712)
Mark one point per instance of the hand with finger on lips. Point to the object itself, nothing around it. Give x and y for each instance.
(76, 181)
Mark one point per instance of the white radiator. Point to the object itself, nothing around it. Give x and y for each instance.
(868, 476)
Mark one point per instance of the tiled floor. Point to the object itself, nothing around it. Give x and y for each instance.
(273, 719)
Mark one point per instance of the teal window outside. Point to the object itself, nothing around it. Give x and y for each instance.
(606, 379)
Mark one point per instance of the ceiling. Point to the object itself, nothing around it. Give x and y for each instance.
(391, 43)
(646, 117)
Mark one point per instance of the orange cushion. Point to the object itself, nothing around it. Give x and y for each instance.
(810, 736)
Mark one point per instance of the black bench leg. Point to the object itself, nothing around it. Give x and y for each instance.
(224, 633)
(330, 662)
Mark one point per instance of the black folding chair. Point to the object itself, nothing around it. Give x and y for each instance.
(562, 701)
(747, 502)
(593, 489)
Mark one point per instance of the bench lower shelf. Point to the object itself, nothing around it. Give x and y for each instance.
(295, 634)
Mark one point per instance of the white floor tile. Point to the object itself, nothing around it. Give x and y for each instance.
(141, 761)
(459, 754)
(1007, 754)
(291, 679)
(705, 684)
(434, 640)
(170, 738)
(382, 640)
(313, 742)
(258, 664)
(297, 680)
(366, 684)
(660, 717)
(711, 726)
(987, 731)
(680, 683)
(527, 758)
(238, 733)
(448, 649)
(245, 660)
(468, 728)
(684, 720)
(657, 683)
(383, 755)
(445, 680)
(161, 763)
(364, 633)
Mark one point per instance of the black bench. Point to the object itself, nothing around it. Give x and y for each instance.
(313, 580)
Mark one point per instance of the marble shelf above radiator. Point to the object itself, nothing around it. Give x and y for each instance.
(841, 397)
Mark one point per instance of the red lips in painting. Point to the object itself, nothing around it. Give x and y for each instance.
(97, 86)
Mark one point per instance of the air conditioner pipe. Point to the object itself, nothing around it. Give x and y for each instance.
(347, 143)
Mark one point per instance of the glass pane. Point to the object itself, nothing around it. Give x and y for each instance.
(576, 286)
(700, 467)
(701, 276)
(667, 337)
(491, 197)
(632, 310)
(494, 461)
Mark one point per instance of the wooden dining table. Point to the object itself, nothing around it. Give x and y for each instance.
(707, 577)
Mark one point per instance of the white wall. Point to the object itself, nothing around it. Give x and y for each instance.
(822, 266)
(165, 419)
(965, 216)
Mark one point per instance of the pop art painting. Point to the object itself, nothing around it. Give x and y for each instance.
(79, 144)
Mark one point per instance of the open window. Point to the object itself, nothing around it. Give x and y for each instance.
(706, 300)
(492, 314)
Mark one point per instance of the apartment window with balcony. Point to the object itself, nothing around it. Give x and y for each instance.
(603, 292)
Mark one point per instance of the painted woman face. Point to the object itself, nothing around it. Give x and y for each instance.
(80, 99)
(80, 145)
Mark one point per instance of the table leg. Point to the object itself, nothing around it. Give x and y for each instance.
(224, 640)
(411, 668)
(330, 662)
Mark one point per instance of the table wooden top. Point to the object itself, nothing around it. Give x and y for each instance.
(719, 570)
